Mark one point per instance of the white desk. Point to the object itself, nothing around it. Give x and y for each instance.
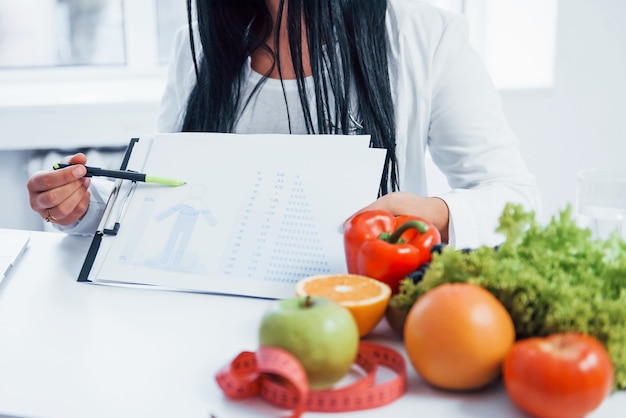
(70, 349)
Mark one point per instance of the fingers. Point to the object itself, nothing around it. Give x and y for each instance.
(78, 158)
(62, 201)
(61, 196)
(49, 180)
(70, 210)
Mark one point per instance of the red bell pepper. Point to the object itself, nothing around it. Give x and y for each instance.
(386, 247)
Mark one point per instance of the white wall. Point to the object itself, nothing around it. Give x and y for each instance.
(14, 209)
(67, 127)
(579, 123)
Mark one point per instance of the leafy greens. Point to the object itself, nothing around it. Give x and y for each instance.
(551, 278)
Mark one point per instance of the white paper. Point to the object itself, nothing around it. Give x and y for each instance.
(257, 214)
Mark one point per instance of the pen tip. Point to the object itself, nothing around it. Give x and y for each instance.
(164, 181)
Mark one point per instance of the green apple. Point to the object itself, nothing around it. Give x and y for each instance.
(319, 332)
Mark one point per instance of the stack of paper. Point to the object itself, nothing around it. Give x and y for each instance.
(257, 212)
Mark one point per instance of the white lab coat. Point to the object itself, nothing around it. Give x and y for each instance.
(444, 101)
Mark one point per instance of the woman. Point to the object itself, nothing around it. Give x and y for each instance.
(398, 70)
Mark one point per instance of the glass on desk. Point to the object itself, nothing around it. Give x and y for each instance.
(601, 201)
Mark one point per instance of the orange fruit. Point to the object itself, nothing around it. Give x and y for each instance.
(457, 336)
(364, 297)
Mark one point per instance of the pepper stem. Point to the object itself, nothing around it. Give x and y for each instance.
(395, 236)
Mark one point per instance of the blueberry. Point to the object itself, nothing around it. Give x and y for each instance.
(437, 248)
(418, 274)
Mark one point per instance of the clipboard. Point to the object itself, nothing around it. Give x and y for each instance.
(83, 275)
(258, 212)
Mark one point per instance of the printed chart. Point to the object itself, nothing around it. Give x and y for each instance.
(276, 236)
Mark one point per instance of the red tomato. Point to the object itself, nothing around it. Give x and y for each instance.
(562, 375)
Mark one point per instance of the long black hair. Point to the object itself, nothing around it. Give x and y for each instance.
(352, 66)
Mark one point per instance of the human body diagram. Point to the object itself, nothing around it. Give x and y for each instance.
(169, 239)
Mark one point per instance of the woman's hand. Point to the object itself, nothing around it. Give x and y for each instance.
(61, 196)
(433, 209)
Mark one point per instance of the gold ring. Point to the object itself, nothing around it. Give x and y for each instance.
(49, 216)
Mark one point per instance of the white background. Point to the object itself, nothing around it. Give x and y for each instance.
(576, 123)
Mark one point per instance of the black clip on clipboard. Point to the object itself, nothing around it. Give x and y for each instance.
(85, 270)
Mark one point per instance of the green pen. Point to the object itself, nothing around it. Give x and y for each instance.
(127, 175)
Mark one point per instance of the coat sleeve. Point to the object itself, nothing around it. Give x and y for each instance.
(472, 144)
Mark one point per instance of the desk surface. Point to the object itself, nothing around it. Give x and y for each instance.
(71, 349)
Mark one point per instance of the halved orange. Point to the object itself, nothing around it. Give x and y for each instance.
(364, 297)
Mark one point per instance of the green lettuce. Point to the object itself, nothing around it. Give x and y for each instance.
(551, 278)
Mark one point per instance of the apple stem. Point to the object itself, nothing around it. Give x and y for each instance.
(308, 302)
